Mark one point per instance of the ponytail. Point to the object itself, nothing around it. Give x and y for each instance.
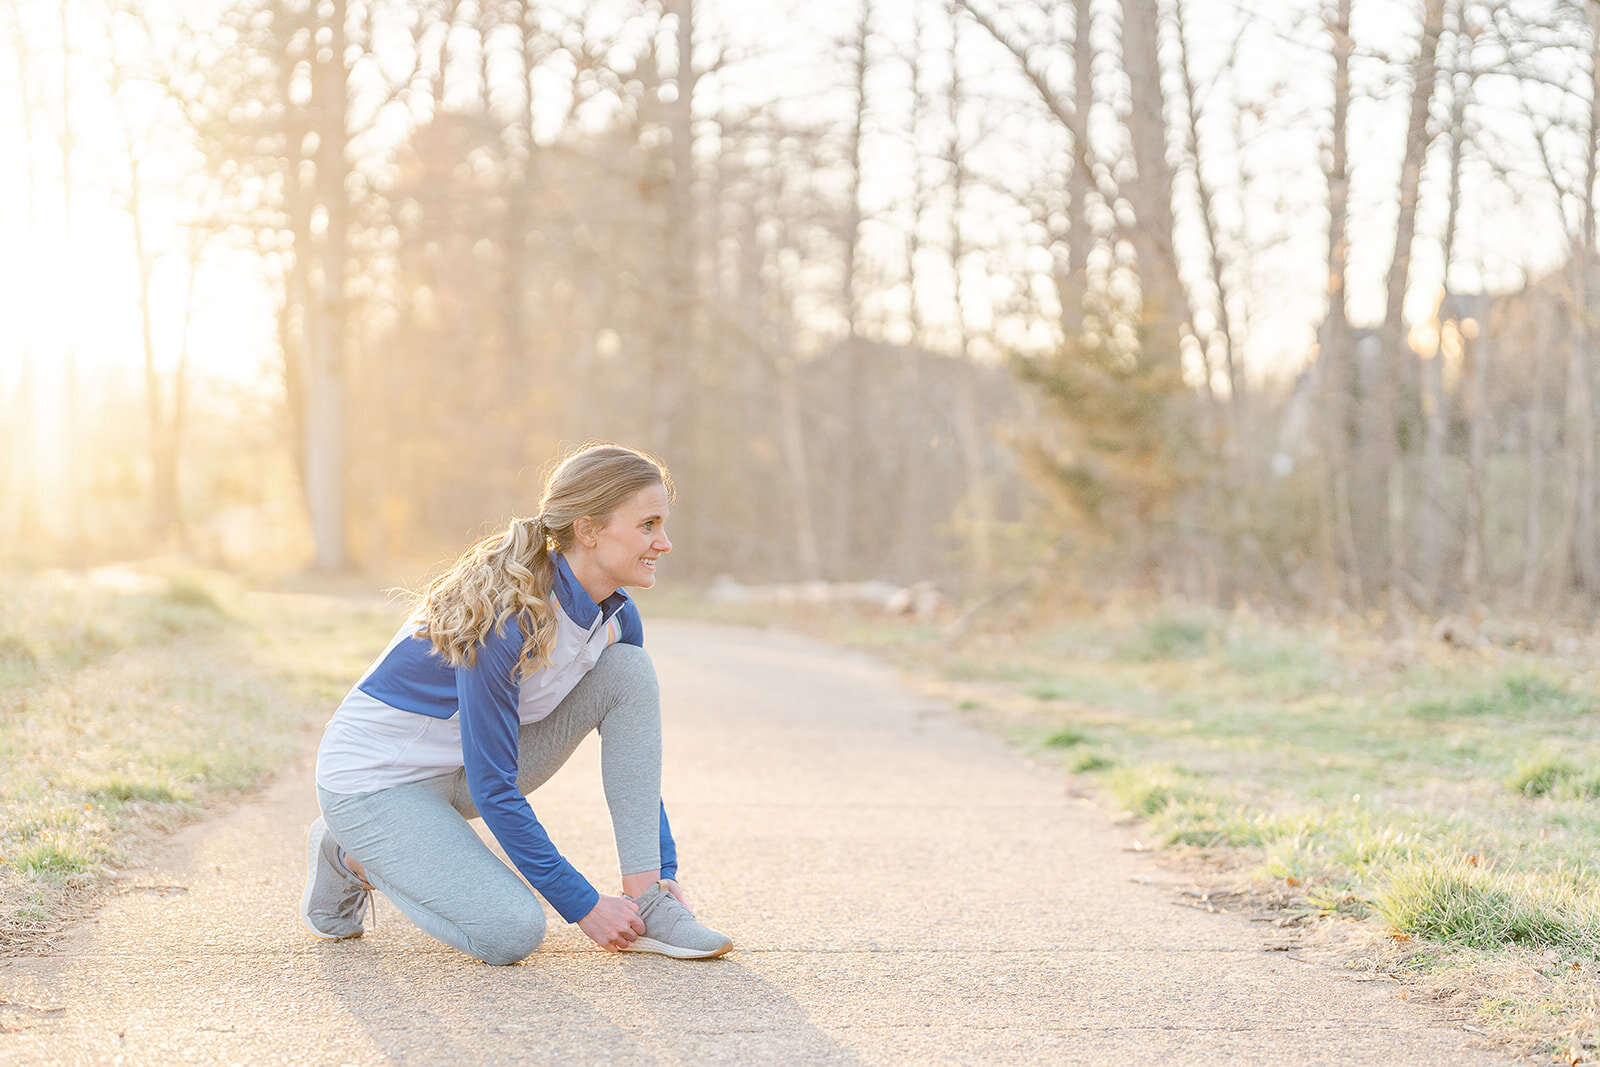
(504, 577)
(510, 575)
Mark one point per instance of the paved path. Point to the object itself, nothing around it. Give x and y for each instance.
(900, 888)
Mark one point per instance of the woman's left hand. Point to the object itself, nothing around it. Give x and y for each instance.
(672, 887)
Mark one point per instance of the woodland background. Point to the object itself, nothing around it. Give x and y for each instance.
(1278, 302)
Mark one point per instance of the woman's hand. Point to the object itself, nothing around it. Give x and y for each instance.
(672, 887)
(612, 923)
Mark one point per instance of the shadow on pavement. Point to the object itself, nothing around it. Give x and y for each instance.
(720, 1010)
(440, 1006)
(436, 1005)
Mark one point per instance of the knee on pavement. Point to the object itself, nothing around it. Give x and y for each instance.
(514, 939)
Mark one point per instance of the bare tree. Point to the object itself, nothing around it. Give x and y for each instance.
(24, 428)
(66, 140)
(298, 61)
(852, 477)
(980, 518)
(914, 512)
(1081, 183)
(1434, 525)
(1379, 532)
(1165, 313)
(1220, 336)
(1335, 357)
(1581, 551)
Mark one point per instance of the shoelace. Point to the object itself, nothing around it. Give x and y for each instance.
(674, 909)
(368, 895)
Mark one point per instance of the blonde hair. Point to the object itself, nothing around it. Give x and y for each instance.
(509, 574)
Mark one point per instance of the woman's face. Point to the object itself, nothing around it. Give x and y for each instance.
(626, 547)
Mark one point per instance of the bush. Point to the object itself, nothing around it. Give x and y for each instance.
(189, 592)
(16, 652)
(1169, 637)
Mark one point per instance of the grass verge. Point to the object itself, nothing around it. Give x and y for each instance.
(131, 701)
(1444, 800)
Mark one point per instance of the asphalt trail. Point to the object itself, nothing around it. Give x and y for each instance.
(900, 887)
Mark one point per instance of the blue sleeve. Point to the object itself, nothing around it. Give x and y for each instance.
(669, 849)
(631, 626)
(488, 693)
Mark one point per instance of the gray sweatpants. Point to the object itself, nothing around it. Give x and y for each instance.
(418, 849)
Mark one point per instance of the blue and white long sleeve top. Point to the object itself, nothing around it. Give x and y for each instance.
(412, 717)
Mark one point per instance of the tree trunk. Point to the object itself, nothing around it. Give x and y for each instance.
(1430, 544)
(163, 515)
(1533, 514)
(180, 394)
(676, 371)
(1228, 475)
(979, 562)
(1080, 185)
(28, 525)
(1165, 307)
(72, 447)
(1335, 356)
(1222, 335)
(325, 412)
(777, 344)
(850, 491)
(1478, 352)
(914, 542)
(1436, 525)
(1379, 514)
(1581, 535)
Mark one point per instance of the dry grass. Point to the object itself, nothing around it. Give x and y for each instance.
(131, 702)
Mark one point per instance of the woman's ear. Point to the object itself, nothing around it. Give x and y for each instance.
(585, 531)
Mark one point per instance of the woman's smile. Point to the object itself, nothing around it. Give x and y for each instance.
(626, 550)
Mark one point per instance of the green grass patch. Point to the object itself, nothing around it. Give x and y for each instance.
(1519, 693)
(1457, 900)
(1168, 637)
(1093, 762)
(1553, 776)
(190, 591)
(1066, 737)
(1152, 789)
(158, 791)
(53, 858)
(145, 698)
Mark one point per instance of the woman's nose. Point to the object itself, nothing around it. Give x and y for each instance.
(662, 542)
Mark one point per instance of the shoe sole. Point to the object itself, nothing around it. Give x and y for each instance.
(648, 944)
(305, 897)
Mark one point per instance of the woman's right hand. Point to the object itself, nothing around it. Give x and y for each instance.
(612, 923)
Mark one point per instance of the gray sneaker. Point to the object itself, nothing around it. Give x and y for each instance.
(334, 900)
(671, 930)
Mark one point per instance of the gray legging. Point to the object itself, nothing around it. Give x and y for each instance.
(417, 847)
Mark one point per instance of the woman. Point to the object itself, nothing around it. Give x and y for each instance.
(525, 645)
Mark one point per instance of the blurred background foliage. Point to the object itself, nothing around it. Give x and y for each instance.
(1281, 303)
